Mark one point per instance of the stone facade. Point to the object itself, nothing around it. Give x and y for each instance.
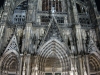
(49, 37)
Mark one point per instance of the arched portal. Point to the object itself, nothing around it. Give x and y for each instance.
(53, 58)
(94, 64)
(10, 63)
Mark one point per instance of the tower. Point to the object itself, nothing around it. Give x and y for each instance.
(49, 37)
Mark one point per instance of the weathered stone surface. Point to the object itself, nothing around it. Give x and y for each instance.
(49, 37)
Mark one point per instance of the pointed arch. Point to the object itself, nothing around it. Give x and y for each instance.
(94, 62)
(10, 62)
(57, 43)
(55, 46)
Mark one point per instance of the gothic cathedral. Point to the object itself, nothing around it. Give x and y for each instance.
(49, 37)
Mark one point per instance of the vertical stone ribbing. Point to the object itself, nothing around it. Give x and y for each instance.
(87, 65)
(21, 64)
(28, 64)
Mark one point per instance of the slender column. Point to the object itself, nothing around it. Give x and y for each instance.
(20, 70)
(55, 4)
(24, 69)
(79, 65)
(74, 65)
(87, 64)
(36, 72)
(1, 31)
(0, 67)
(69, 12)
(28, 64)
(44, 4)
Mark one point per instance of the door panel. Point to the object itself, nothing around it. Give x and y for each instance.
(57, 73)
(48, 73)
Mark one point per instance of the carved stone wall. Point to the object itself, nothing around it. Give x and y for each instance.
(49, 37)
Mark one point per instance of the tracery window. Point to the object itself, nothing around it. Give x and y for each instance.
(45, 18)
(47, 5)
(19, 16)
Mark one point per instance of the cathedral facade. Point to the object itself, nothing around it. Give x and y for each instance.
(49, 37)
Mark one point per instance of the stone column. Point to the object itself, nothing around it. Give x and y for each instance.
(36, 71)
(87, 65)
(79, 39)
(28, 64)
(69, 12)
(1, 31)
(20, 67)
(24, 69)
(79, 65)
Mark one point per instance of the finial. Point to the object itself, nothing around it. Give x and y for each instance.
(53, 11)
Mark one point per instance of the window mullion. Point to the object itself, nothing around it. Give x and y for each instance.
(55, 4)
(58, 5)
(48, 5)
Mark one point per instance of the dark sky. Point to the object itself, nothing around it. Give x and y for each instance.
(1, 2)
(97, 1)
(98, 4)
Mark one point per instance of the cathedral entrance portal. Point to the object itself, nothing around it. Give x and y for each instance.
(10, 63)
(53, 58)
